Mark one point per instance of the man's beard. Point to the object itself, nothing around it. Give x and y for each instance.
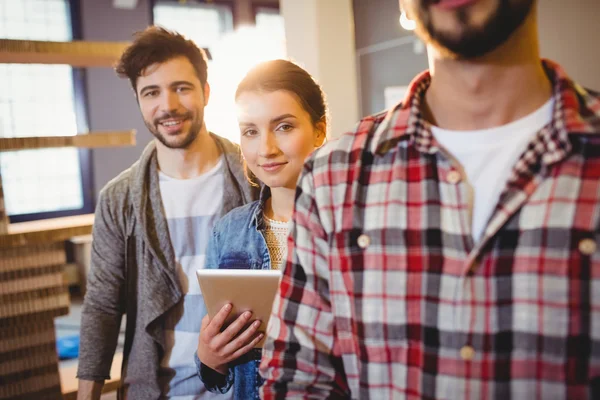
(178, 143)
(472, 42)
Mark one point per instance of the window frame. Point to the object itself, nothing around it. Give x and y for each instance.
(257, 5)
(81, 117)
(226, 3)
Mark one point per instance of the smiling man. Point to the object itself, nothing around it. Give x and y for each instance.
(449, 247)
(152, 225)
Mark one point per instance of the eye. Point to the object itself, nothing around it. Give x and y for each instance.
(151, 93)
(285, 127)
(249, 132)
(183, 89)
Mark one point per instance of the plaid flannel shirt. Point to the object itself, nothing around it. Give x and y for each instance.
(386, 295)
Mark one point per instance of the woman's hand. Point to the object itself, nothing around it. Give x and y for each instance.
(216, 349)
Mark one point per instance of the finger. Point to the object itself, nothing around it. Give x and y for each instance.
(234, 328)
(243, 350)
(214, 327)
(205, 322)
(243, 339)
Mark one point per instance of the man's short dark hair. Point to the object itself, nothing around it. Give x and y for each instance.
(157, 45)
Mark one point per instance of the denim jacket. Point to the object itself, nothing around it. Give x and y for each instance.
(237, 242)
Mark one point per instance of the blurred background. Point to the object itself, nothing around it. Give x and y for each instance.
(358, 50)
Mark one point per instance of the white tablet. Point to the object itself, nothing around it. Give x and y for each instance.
(246, 289)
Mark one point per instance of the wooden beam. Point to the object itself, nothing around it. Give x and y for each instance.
(90, 140)
(76, 53)
(3, 215)
(47, 230)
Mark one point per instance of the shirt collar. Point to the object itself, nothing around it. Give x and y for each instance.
(257, 219)
(576, 112)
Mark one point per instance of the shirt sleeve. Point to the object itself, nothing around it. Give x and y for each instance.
(211, 260)
(104, 302)
(213, 381)
(300, 359)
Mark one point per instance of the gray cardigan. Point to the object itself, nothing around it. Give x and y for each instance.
(132, 271)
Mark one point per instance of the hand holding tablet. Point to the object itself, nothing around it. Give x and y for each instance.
(218, 347)
(239, 303)
(244, 289)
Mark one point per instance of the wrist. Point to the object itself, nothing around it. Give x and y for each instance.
(221, 369)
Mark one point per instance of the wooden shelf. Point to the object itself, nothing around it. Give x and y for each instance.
(90, 140)
(76, 54)
(46, 230)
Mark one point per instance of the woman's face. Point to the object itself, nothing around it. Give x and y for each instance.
(277, 135)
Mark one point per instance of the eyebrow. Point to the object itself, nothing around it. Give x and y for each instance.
(172, 84)
(273, 121)
(147, 88)
(177, 83)
(282, 117)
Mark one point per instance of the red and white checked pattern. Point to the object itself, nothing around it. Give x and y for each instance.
(385, 295)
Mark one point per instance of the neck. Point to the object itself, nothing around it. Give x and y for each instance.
(496, 89)
(199, 157)
(281, 204)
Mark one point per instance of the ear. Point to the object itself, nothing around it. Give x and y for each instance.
(206, 93)
(320, 133)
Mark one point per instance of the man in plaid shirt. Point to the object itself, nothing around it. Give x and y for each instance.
(447, 249)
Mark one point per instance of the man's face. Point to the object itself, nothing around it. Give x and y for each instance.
(467, 29)
(172, 102)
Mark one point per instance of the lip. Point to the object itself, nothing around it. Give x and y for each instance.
(273, 167)
(173, 129)
(453, 4)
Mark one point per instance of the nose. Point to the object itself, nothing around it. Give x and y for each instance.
(268, 145)
(169, 102)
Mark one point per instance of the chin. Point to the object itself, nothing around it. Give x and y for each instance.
(178, 141)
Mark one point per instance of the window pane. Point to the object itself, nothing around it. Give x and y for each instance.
(270, 20)
(234, 53)
(37, 100)
(204, 24)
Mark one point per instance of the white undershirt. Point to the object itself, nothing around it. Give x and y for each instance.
(487, 157)
(191, 207)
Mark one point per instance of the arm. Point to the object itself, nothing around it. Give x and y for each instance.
(89, 390)
(300, 358)
(211, 260)
(214, 347)
(217, 348)
(104, 303)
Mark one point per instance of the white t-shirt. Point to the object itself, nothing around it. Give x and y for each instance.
(488, 157)
(191, 207)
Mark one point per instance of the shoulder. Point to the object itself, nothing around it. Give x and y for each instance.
(115, 194)
(226, 146)
(339, 154)
(237, 219)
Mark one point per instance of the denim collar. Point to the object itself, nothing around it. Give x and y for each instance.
(258, 219)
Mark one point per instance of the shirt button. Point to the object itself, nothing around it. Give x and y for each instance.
(467, 353)
(453, 177)
(363, 241)
(587, 246)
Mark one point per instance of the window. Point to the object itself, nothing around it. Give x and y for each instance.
(233, 53)
(39, 100)
(269, 19)
(205, 24)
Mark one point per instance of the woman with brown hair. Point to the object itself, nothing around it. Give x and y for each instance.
(282, 115)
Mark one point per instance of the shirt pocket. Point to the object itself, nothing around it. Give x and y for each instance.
(554, 287)
(369, 285)
(238, 260)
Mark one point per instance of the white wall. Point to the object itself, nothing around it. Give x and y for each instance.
(570, 35)
(320, 37)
